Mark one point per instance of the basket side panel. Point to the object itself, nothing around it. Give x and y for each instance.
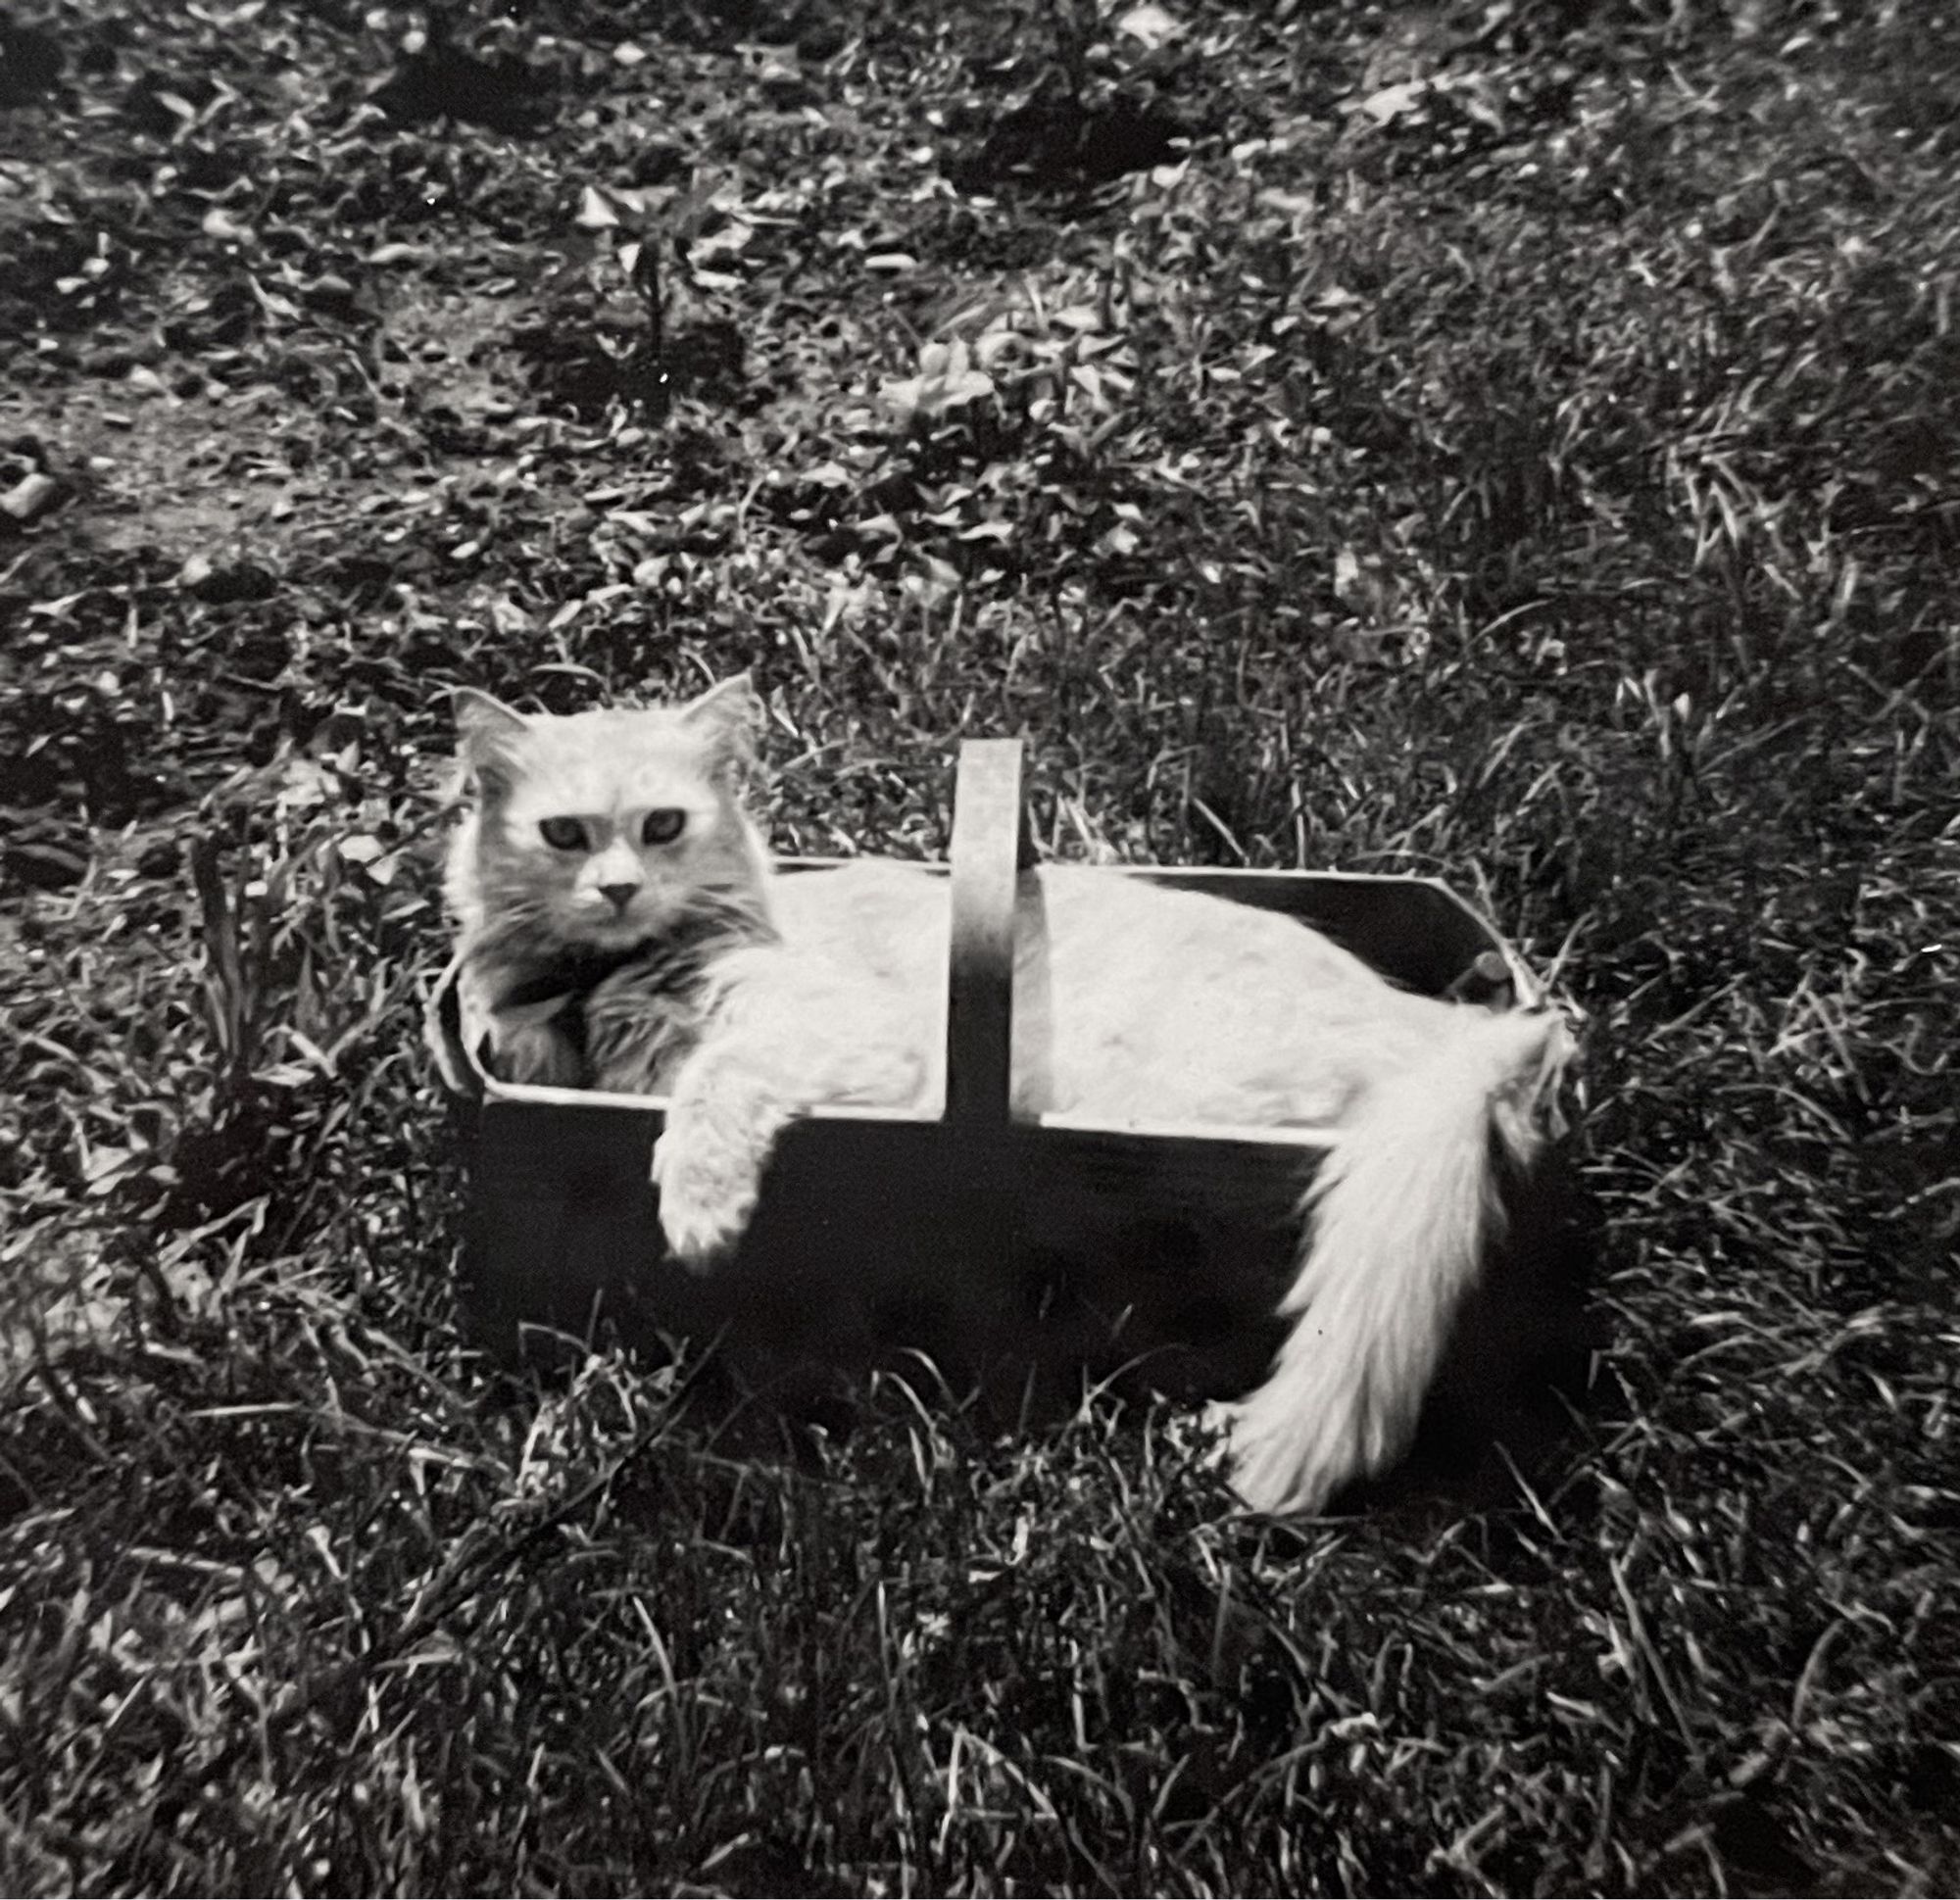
(560, 1219)
(1019, 1262)
(1156, 1263)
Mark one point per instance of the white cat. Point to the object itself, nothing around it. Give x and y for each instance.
(622, 928)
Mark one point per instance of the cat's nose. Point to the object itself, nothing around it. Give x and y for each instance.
(621, 894)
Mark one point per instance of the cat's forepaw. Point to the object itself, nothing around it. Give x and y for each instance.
(708, 1195)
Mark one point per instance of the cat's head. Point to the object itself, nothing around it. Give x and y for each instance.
(605, 829)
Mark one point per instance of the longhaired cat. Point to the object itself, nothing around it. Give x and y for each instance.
(621, 929)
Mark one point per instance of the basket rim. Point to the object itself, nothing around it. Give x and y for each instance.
(443, 1026)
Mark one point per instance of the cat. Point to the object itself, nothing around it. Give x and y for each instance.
(599, 863)
(623, 929)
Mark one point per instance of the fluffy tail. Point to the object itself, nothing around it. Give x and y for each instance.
(1399, 1219)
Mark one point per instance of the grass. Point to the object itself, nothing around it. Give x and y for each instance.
(1516, 443)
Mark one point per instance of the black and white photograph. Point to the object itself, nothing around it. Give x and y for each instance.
(996, 948)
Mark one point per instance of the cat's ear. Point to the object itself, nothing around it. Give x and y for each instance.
(486, 732)
(727, 713)
(731, 702)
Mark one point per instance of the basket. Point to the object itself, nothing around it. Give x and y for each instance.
(1020, 1257)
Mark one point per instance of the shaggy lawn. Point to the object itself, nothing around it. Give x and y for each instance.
(1516, 442)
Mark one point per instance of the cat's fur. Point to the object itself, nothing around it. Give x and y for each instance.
(568, 984)
(749, 996)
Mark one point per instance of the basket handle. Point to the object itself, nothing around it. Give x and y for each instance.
(990, 848)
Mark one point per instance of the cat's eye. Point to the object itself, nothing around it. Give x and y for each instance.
(662, 826)
(563, 834)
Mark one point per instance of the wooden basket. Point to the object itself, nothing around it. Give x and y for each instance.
(1018, 1255)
